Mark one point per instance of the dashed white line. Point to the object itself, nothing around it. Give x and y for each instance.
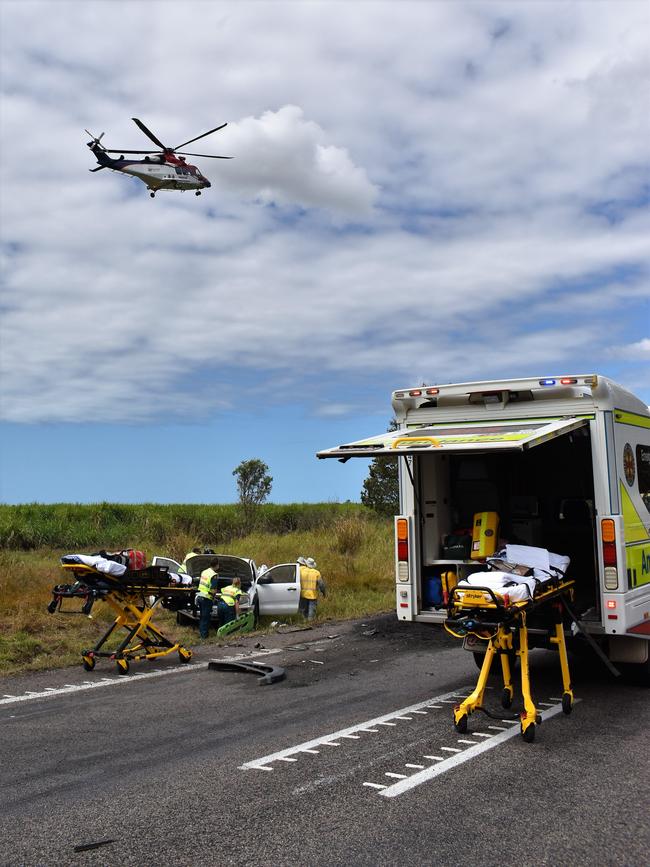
(481, 735)
(472, 743)
(451, 749)
(330, 744)
(386, 724)
(316, 752)
(287, 759)
(352, 737)
(375, 785)
(419, 711)
(403, 717)
(436, 758)
(396, 776)
(365, 726)
(461, 756)
(418, 767)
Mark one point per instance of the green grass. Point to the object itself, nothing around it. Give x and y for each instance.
(353, 550)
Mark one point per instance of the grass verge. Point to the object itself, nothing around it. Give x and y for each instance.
(353, 551)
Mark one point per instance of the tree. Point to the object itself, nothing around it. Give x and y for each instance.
(380, 490)
(253, 483)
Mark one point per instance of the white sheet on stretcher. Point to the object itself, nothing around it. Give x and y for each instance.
(108, 567)
(501, 583)
(544, 563)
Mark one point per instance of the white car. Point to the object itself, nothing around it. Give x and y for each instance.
(274, 591)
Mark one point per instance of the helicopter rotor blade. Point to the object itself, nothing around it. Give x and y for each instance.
(203, 135)
(210, 156)
(148, 133)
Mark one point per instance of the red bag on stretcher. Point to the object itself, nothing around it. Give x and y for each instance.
(135, 559)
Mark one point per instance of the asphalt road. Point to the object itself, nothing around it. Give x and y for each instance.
(352, 759)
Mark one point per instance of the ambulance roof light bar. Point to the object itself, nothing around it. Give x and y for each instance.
(495, 387)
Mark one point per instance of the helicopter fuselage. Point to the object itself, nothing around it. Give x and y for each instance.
(160, 172)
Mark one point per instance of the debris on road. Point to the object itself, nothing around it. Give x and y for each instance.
(269, 673)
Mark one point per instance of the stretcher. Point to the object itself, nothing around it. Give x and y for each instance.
(502, 619)
(134, 596)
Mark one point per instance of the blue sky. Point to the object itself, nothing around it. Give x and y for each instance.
(421, 192)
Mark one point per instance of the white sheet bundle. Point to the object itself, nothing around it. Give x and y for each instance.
(543, 563)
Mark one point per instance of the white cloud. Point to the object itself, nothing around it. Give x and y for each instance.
(638, 351)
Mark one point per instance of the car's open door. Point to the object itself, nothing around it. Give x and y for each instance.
(278, 590)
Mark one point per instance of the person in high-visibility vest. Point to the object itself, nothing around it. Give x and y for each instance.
(311, 584)
(228, 602)
(183, 567)
(205, 596)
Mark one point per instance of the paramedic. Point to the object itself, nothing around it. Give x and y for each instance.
(311, 584)
(228, 602)
(205, 596)
(183, 567)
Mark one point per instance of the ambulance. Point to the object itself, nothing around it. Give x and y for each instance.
(558, 462)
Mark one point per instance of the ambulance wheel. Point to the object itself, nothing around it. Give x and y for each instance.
(197, 193)
(184, 655)
(461, 724)
(567, 703)
(122, 666)
(529, 734)
(153, 195)
(89, 663)
(506, 698)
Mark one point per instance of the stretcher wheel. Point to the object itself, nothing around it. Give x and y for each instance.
(461, 724)
(506, 698)
(122, 666)
(89, 663)
(567, 703)
(184, 655)
(529, 734)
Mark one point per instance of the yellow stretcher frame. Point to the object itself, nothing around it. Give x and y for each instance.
(510, 621)
(134, 614)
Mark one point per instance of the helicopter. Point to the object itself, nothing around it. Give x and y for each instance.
(159, 170)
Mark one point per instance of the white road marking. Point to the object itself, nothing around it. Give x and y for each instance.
(364, 726)
(419, 711)
(418, 767)
(397, 776)
(435, 706)
(328, 744)
(375, 785)
(554, 698)
(546, 703)
(369, 730)
(386, 724)
(451, 749)
(458, 759)
(70, 688)
(403, 717)
(473, 743)
(498, 728)
(316, 752)
(352, 737)
(437, 758)
(481, 735)
(287, 759)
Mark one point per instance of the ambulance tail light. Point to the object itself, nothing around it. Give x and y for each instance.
(402, 539)
(608, 536)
